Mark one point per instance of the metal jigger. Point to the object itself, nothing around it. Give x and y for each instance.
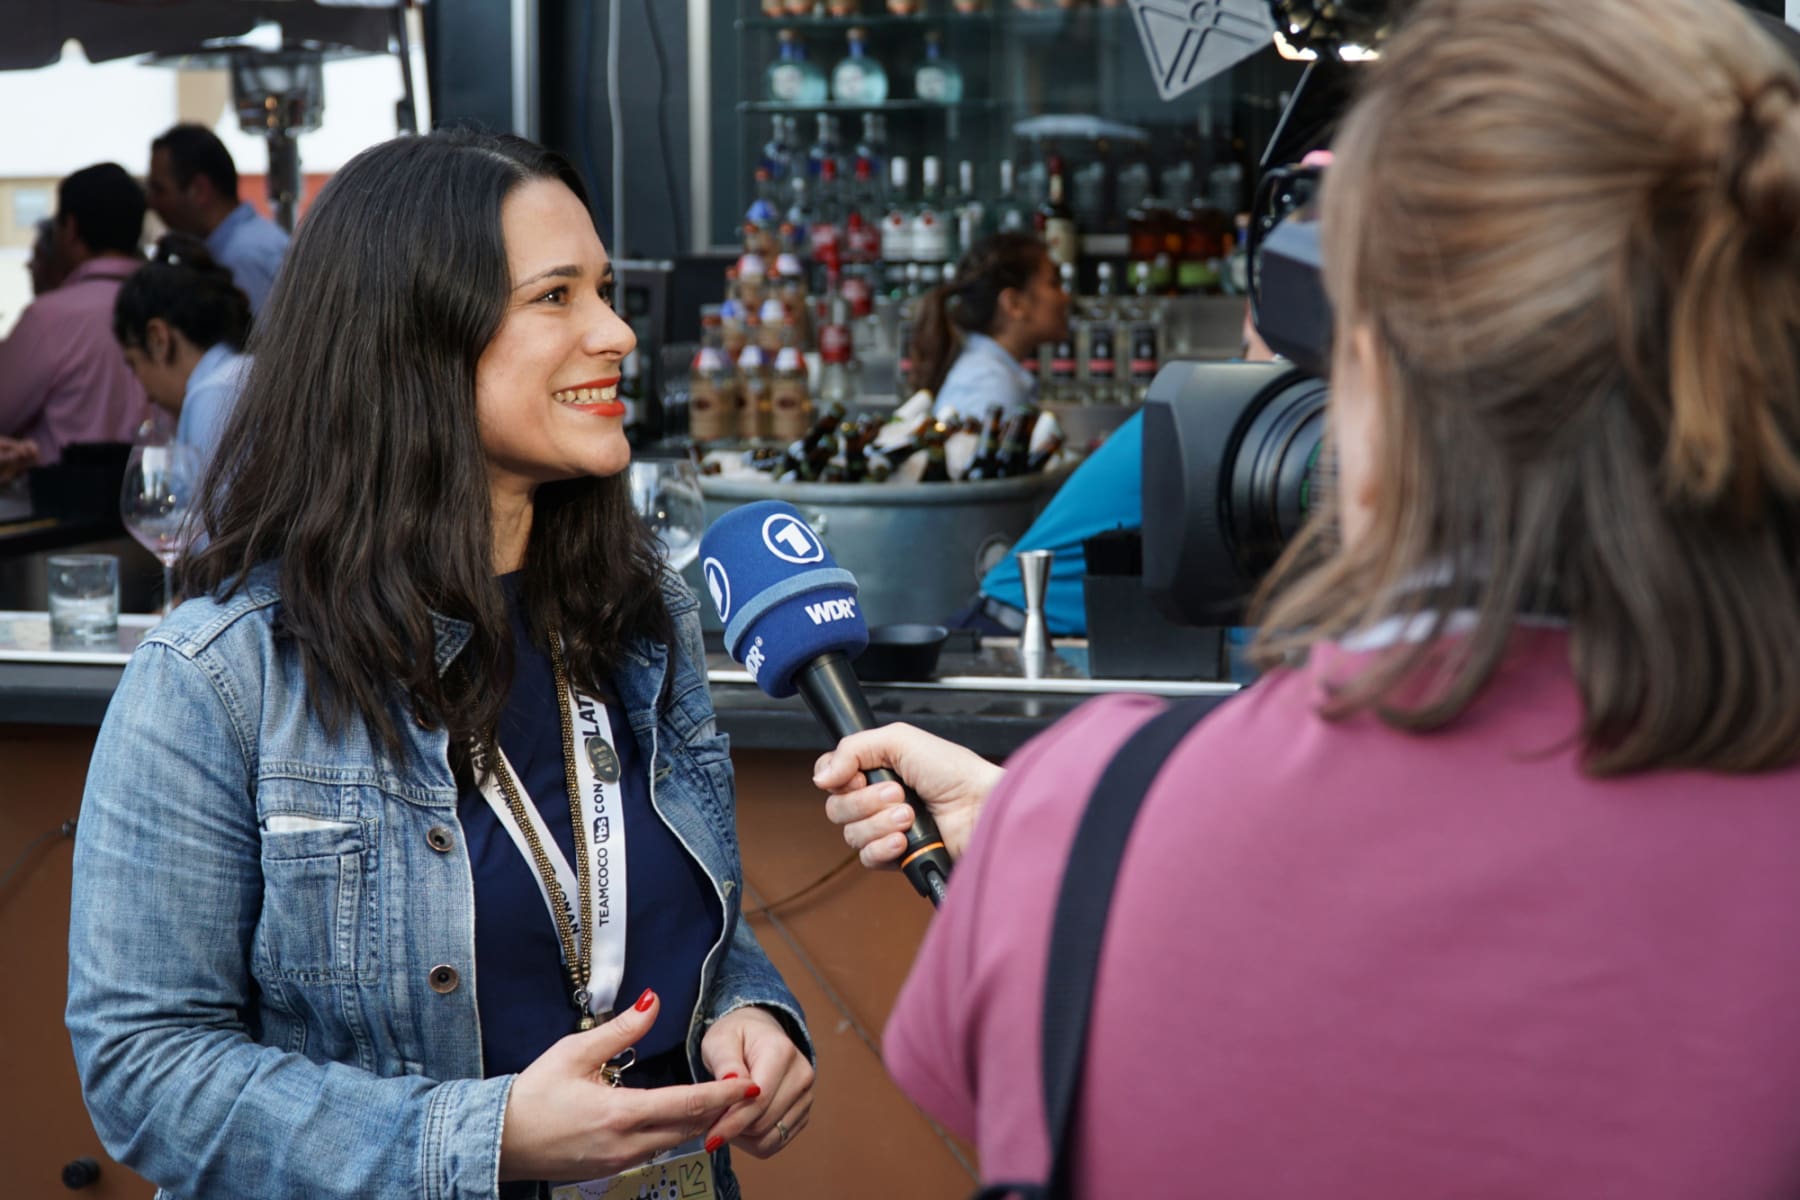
(1034, 641)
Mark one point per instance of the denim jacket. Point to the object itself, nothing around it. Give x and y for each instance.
(272, 942)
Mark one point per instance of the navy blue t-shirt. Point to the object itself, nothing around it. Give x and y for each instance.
(672, 910)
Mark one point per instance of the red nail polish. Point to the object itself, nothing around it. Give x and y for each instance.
(752, 1092)
(731, 1075)
(645, 1001)
(713, 1143)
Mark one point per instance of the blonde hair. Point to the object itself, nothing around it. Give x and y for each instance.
(1573, 229)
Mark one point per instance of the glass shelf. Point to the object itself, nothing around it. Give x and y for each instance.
(904, 104)
(865, 21)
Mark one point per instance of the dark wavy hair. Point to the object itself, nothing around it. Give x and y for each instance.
(184, 286)
(353, 459)
(970, 302)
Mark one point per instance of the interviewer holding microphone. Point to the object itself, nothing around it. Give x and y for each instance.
(1488, 887)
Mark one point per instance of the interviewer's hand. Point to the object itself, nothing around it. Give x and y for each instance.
(953, 782)
(564, 1122)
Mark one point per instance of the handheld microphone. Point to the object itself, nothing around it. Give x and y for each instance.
(791, 618)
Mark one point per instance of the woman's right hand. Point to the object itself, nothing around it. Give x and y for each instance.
(953, 783)
(564, 1121)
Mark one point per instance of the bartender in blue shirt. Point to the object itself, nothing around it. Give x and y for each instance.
(971, 333)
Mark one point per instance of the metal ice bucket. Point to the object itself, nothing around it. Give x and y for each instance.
(918, 550)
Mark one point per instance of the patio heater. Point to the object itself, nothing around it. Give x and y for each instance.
(279, 94)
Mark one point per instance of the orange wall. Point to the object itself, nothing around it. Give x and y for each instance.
(844, 951)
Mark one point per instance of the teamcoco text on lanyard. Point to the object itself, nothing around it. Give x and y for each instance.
(594, 963)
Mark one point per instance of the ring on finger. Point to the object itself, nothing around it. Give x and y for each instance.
(782, 1129)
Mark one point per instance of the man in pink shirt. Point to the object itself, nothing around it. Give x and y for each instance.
(62, 378)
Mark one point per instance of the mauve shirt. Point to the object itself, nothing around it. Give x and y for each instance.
(1346, 961)
(63, 378)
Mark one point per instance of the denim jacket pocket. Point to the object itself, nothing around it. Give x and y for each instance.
(319, 903)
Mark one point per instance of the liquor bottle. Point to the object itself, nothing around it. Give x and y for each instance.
(791, 78)
(862, 224)
(1106, 292)
(1046, 450)
(774, 155)
(986, 463)
(929, 233)
(903, 360)
(712, 397)
(753, 412)
(1009, 214)
(827, 147)
(828, 454)
(872, 145)
(971, 214)
(937, 464)
(631, 395)
(1015, 444)
(790, 405)
(859, 77)
(1061, 388)
(1205, 232)
(1143, 360)
(837, 381)
(1056, 221)
(1102, 365)
(797, 221)
(825, 239)
(937, 80)
(896, 229)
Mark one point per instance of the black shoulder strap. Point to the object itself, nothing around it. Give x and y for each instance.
(1080, 924)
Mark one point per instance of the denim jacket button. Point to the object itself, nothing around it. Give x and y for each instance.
(444, 978)
(439, 839)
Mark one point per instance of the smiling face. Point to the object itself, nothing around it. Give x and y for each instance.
(546, 386)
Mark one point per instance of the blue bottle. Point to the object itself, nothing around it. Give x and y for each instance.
(791, 79)
(859, 78)
(938, 80)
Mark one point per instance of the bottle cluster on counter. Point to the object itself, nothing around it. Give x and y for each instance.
(911, 446)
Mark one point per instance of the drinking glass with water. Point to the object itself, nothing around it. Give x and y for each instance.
(84, 599)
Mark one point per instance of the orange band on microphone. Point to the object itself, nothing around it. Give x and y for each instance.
(925, 849)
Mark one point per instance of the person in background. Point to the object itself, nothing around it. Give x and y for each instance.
(1487, 888)
(45, 265)
(1105, 492)
(413, 823)
(971, 333)
(182, 323)
(61, 377)
(193, 187)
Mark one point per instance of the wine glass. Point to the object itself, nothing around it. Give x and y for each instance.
(666, 493)
(157, 502)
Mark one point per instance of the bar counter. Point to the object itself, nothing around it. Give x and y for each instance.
(841, 936)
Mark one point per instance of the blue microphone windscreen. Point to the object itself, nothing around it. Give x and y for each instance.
(782, 598)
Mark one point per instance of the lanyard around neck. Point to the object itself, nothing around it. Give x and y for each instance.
(594, 963)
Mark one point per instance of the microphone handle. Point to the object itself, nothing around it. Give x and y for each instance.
(836, 698)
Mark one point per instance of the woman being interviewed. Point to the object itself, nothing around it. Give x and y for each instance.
(423, 785)
(1001, 305)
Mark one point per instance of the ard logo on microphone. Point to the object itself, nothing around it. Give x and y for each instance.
(719, 585)
(792, 540)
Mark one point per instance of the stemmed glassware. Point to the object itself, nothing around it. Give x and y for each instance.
(666, 493)
(158, 502)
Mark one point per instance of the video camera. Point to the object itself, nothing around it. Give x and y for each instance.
(1234, 455)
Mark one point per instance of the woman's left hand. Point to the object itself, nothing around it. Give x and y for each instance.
(751, 1042)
